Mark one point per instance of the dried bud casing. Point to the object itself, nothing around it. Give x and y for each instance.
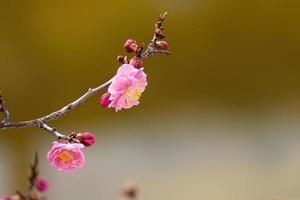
(131, 46)
(121, 59)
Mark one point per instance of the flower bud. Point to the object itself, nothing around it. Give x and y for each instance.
(136, 62)
(104, 101)
(5, 198)
(86, 138)
(42, 185)
(130, 46)
(130, 190)
(162, 45)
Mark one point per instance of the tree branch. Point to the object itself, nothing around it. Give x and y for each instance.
(4, 110)
(158, 35)
(42, 121)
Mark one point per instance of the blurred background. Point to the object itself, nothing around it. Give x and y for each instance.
(220, 118)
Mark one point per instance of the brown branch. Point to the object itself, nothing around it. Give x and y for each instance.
(34, 172)
(42, 121)
(32, 193)
(57, 114)
(4, 110)
(158, 35)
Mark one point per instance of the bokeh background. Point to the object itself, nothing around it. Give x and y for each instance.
(220, 118)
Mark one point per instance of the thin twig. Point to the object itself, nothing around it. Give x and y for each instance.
(158, 34)
(4, 110)
(57, 114)
(21, 195)
(34, 173)
(42, 121)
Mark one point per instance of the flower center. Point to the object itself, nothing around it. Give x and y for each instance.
(65, 156)
(133, 94)
(136, 94)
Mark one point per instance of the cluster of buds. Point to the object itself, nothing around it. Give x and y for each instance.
(131, 46)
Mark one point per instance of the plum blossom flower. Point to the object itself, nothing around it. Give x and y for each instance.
(126, 87)
(66, 156)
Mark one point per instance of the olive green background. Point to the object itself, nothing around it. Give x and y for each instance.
(219, 118)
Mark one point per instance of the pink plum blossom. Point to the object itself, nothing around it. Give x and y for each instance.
(66, 156)
(126, 87)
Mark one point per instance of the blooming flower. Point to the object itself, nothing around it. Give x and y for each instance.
(126, 87)
(66, 156)
(42, 185)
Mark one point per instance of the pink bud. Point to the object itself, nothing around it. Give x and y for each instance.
(162, 45)
(42, 185)
(5, 198)
(86, 138)
(130, 46)
(104, 101)
(136, 62)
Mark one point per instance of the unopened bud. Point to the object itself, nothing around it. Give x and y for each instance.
(136, 62)
(104, 101)
(86, 138)
(42, 185)
(162, 45)
(131, 46)
(130, 190)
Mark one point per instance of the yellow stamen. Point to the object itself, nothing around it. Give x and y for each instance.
(137, 94)
(133, 94)
(65, 156)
